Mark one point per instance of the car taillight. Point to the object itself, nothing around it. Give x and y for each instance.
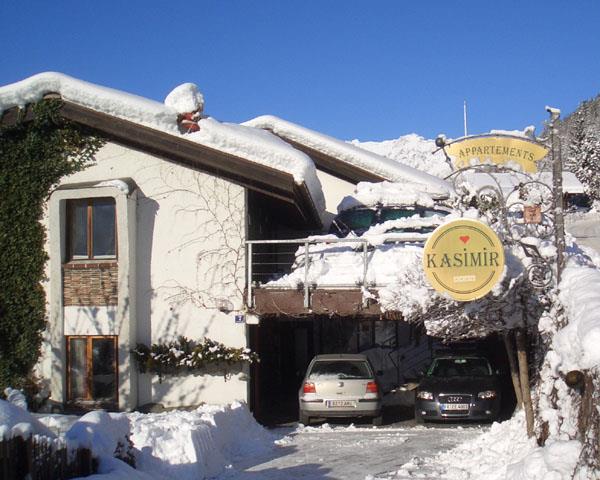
(372, 387)
(309, 387)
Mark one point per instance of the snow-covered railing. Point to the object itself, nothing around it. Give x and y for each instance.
(323, 261)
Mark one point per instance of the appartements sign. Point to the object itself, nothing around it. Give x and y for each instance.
(497, 149)
(463, 258)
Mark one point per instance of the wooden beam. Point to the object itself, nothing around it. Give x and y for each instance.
(287, 302)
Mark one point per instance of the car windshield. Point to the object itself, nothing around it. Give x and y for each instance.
(356, 220)
(328, 369)
(396, 213)
(460, 367)
(399, 213)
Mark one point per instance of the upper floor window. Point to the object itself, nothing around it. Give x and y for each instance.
(91, 228)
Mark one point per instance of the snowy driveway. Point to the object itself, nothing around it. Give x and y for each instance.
(348, 452)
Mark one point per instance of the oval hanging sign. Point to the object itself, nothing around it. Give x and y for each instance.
(498, 149)
(463, 258)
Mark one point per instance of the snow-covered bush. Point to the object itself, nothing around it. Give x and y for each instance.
(185, 355)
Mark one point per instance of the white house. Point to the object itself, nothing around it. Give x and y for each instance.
(149, 243)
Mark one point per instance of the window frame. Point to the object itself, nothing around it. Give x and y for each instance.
(89, 369)
(89, 203)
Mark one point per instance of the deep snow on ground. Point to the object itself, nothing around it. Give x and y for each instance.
(503, 452)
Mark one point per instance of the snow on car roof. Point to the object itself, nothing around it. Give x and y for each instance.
(369, 194)
(252, 144)
(345, 152)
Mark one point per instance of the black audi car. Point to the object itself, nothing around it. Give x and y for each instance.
(458, 387)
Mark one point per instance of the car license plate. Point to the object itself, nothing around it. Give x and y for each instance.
(454, 406)
(340, 403)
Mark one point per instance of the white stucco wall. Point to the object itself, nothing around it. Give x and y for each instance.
(188, 257)
(334, 190)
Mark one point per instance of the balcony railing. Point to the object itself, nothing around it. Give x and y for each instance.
(270, 260)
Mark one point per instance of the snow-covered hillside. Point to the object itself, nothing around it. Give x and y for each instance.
(412, 150)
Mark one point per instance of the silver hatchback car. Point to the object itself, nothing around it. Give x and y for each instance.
(339, 385)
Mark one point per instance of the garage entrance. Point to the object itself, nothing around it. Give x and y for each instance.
(287, 345)
(285, 348)
(399, 351)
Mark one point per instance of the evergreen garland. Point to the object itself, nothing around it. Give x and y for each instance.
(34, 155)
(185, 355)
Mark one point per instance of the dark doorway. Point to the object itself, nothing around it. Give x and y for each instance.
(285, 347)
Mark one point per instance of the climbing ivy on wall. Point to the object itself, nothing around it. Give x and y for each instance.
(36, 151)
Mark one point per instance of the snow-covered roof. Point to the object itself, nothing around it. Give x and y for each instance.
(252, 144)
(345, 152)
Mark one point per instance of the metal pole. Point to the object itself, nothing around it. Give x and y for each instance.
(365, 250)
(249, 280)
(306, 291)
(559, 221)
(465, 116)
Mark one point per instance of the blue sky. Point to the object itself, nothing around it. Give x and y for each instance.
(371, 70)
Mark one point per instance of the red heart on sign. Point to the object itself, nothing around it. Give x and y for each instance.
(464, 239)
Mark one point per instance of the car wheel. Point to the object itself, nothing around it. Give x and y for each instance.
(304, 419)
(377, 421)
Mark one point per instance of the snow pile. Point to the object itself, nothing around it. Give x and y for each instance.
(19, 421)
(179, 444)
(252, 144)
(197, 444)
(412, 150)
(352, 154)
(368, 194)
(185, 98)
(502, 453)
(578, 343)
(101, 432)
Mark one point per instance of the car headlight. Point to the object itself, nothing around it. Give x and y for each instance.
(487, 394)
(425, 395)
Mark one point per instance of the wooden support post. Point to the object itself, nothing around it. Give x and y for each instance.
(524, 380)
(514, 370)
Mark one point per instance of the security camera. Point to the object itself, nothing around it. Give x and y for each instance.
(440, 141)
(554, 114)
